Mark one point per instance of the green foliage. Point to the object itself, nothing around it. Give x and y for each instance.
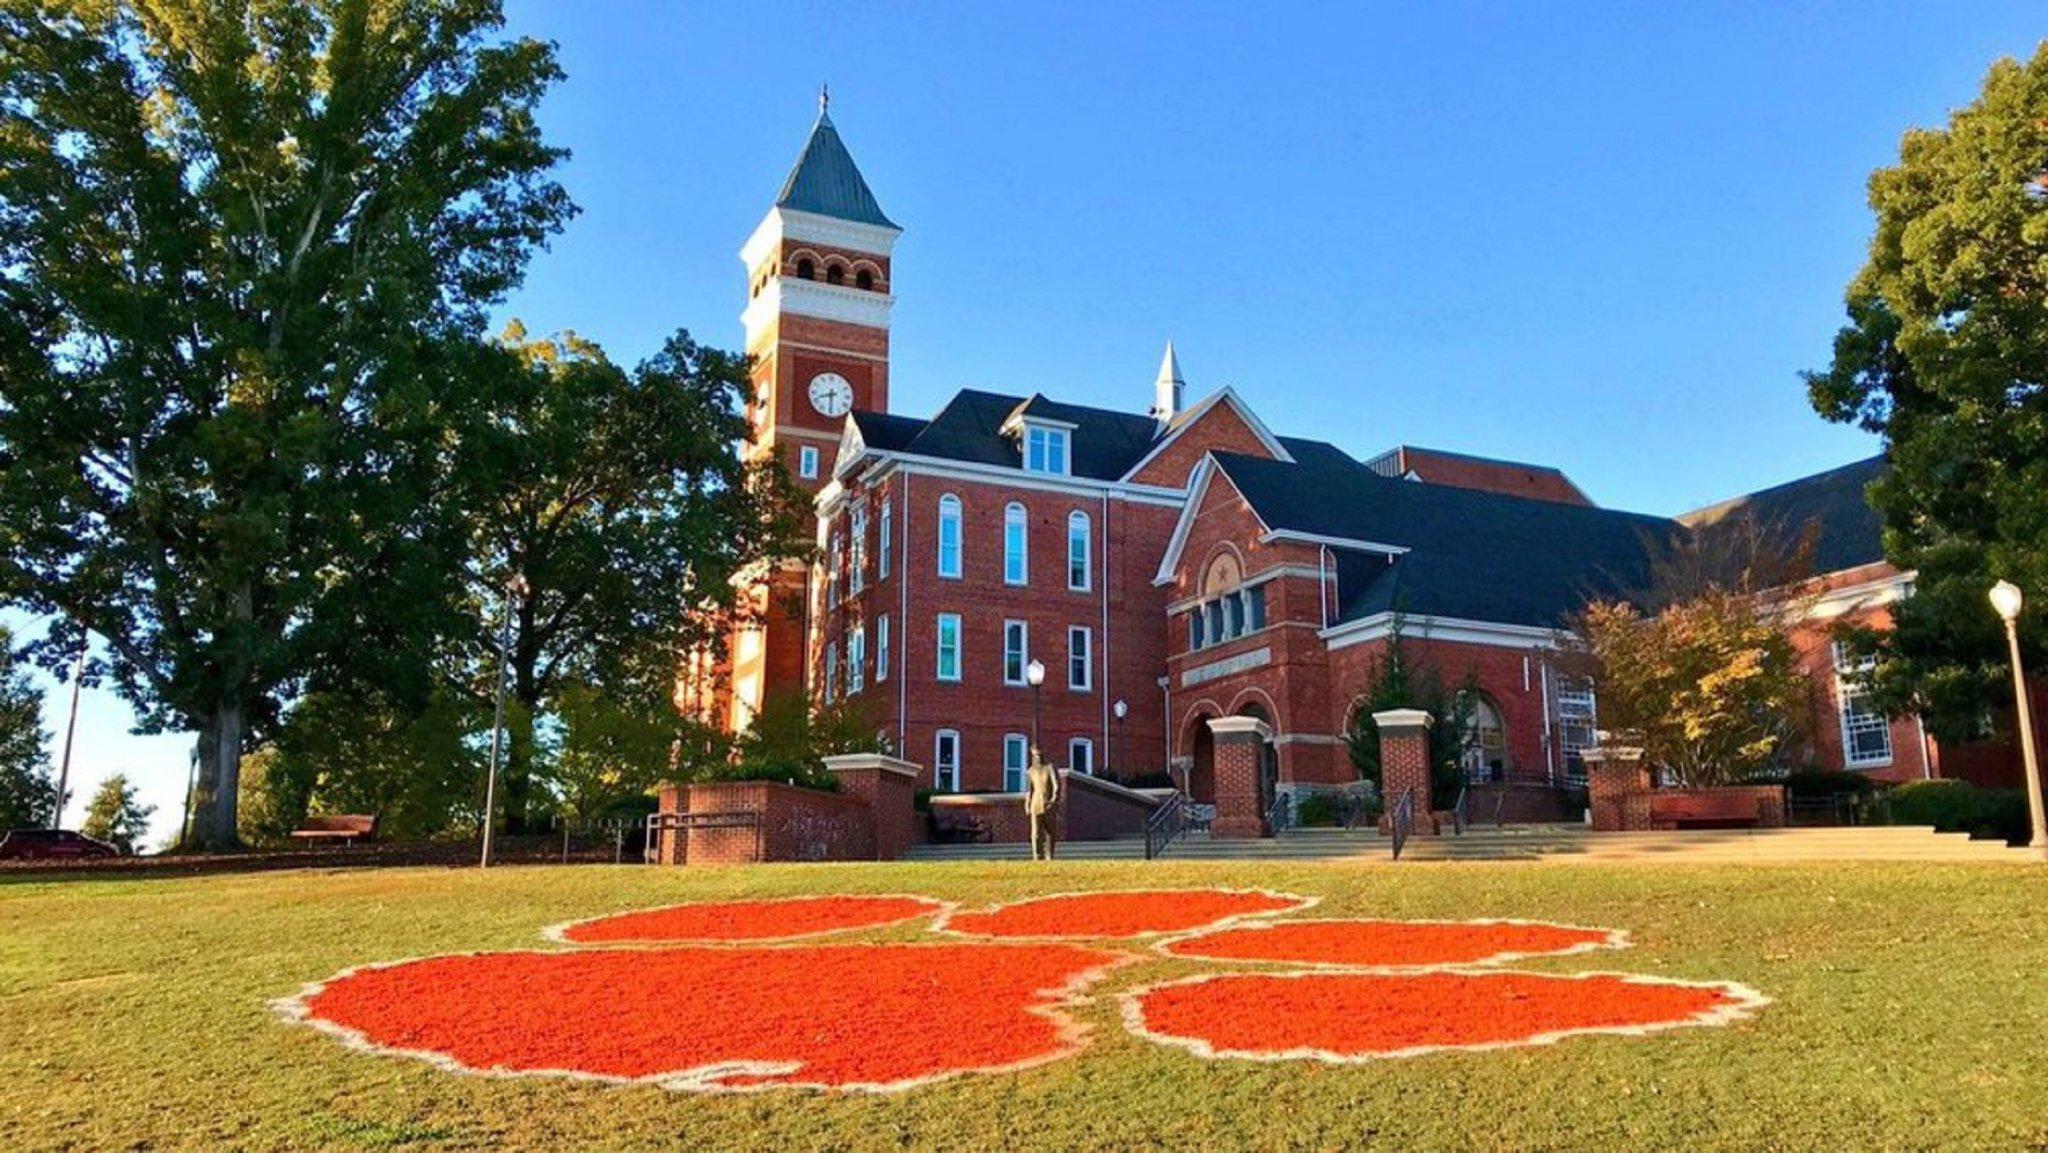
(1959, 807)
(1942, 356)
(1813, 782)
(607, 751)
(1398, 680)
(115, 816)
(1316, 811)
(246, 253)
(27, 793)
(277, 793)
(419, 772)
(789, 739)
(617, 498)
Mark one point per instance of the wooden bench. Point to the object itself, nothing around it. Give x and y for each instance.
(338, 829)
(1705, 809)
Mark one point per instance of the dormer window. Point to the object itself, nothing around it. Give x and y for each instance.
(1045, 449)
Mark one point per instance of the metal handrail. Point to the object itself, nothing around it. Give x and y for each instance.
(1500, 804)
(1402, 822)
(1166, 824)
(662, 823)
(1279, 814)
(1459, 815)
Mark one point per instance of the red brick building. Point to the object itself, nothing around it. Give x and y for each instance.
(1173, 566)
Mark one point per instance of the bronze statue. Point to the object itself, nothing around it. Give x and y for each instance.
(1041, 804)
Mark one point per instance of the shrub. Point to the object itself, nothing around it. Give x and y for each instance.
(1813, 782)
(1152, 780)
(1959, 807)
(1316, 810)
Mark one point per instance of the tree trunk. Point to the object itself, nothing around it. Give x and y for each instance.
(214, 802)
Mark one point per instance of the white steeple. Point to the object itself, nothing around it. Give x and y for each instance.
(1166, 391)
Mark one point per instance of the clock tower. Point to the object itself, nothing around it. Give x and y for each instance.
(817, 316)
(817, 320)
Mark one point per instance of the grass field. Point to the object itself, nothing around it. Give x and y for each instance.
(1910, 1011)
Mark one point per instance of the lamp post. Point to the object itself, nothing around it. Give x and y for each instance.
(1116, 740)
(2007, 599)
(1034, 675)
(514, 589)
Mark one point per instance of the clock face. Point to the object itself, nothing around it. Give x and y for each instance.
(831, 395)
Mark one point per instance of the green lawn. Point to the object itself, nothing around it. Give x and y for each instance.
(1910, 1009)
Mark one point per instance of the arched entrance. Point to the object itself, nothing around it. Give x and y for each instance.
(1201, 746)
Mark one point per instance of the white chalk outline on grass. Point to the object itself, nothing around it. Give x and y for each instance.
(1743, 1002)
(1612, 939)
(558, 933)
(1071, 1036)
(945, 924)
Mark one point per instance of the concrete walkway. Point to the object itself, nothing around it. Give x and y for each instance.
(1547, 843)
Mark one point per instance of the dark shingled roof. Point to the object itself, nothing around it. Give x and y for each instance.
(826, 181)
(1849, 530)
(887, 432)
(1474, 555)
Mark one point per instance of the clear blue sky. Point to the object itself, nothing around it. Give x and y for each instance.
(1604, 237)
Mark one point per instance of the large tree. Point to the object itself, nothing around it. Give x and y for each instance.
(246, 250)
(615, 502)
(1946, 356)
(27, 794)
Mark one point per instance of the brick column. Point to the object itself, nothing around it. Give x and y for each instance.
(1239, 743)
(889, 786)
(668, 846)
(1404, 765)
(1614, 773)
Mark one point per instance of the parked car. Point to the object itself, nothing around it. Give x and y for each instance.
(52, 845)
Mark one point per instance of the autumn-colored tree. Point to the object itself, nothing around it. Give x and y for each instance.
(1710, 686)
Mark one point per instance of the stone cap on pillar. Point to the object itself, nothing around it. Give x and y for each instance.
(854, 762)
(1240, 729)
(1619, 754)
(1397, 720)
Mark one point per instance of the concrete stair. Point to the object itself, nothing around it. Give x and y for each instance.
(1550, 843)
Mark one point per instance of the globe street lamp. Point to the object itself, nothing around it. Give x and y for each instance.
(514, 589)
(2007, 599)
(1116, 742)
(1034, 675)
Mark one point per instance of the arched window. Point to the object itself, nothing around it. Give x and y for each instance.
(1485, 755)
(1016, 546)
(949, 536)
(806, 269)
(1080, 554)
(864, 280)
(835, 274)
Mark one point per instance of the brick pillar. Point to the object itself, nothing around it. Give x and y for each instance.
(1404, 765)
(1240, 741)
(668, 846)
(889, 786)
(1614, 773)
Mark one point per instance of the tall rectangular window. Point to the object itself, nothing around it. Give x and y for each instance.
(830, 672)
(949, 647)
(1080, 553)
(1255, 601)
(807, 462)
(882, 544)
(1016, 546)
(1196, 639)
(856, 659)
(1080, 658)
(949, 536)
(1016, 651)
(1578, 717)
(1081, 756)
(857, 548)
(1016, 755)
(882, 648)
(832, 572)
(1045, 449)
(946, 761)
(1866, 733)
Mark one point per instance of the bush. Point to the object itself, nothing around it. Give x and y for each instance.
(1152, 780)
(1316, 811)
(1810, 783)
(1959, 807)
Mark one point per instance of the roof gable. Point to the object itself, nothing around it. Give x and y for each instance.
(1220, 416)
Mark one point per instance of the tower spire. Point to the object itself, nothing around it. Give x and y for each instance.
(824, 98)
(1167, 389)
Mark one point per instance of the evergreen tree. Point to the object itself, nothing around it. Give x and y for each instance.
(115, 816)
(27, 794)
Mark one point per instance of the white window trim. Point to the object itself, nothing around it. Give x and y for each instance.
(957, 519)
(1088, 665)
(1016, 516)
(945, 774)
(881, 648)
(1087, 526)
(856, 659)
(1082, 743)
(1023, 651)
(830, 671)
(807, 462)
(939, 648)
(882, 542)
(1843, 692)
(1016, 740)
(857, 549)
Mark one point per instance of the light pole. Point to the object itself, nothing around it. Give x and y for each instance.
(1034, 675)
(2007, 599)
(1116, 740)
(514, 588)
